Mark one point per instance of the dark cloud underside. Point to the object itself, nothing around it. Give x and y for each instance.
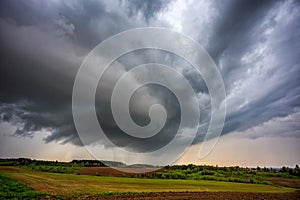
(256, 45)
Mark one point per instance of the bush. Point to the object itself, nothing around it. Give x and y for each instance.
(252, 180)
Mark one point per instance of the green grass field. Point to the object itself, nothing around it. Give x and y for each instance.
(72, 184)
(12, 189)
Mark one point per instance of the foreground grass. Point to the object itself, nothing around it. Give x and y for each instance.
(11, 189)
(71, 184)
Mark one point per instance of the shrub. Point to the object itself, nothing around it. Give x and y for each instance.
(252, 180)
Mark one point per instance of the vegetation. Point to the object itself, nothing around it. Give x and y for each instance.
(44, 166)
(72, 184)
(78, 163)
(229, 174)
(55, 166)
(62, 179)
(238, 174)
(11, 189)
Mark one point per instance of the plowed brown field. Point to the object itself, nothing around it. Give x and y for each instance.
(200, 195)
(118, 172)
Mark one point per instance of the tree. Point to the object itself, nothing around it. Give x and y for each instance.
(297, 170)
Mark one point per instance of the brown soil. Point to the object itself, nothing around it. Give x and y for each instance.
(108, 171)
(9, 168)
(199, 195)
(286, 182)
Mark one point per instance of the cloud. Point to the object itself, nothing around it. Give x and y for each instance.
(263, 81)
(287, 126)
(36, 87)
(145, 9)
(254, 43)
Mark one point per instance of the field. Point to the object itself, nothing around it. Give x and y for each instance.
(24, 178)
(117, 172)
(13, 189)
(86, 186)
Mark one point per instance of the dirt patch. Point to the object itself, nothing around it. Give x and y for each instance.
(199, 195)
(286, 182)
(9, 168)
(118, 172)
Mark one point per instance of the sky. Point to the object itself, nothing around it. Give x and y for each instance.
(254, 44)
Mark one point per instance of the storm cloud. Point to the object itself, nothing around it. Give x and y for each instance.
(255, 44)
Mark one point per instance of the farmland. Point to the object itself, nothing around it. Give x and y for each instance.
(76, 180)
(13, 189)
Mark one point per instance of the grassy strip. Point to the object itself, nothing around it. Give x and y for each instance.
(11, 189)
(71, 184)
(229, 174)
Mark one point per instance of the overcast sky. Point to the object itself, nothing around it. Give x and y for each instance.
(255, 45)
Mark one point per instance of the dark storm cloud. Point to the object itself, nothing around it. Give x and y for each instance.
(42, 46)
(148, 9)
(234, 25)
(42, 50)
(254, 43)
(255, 54)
